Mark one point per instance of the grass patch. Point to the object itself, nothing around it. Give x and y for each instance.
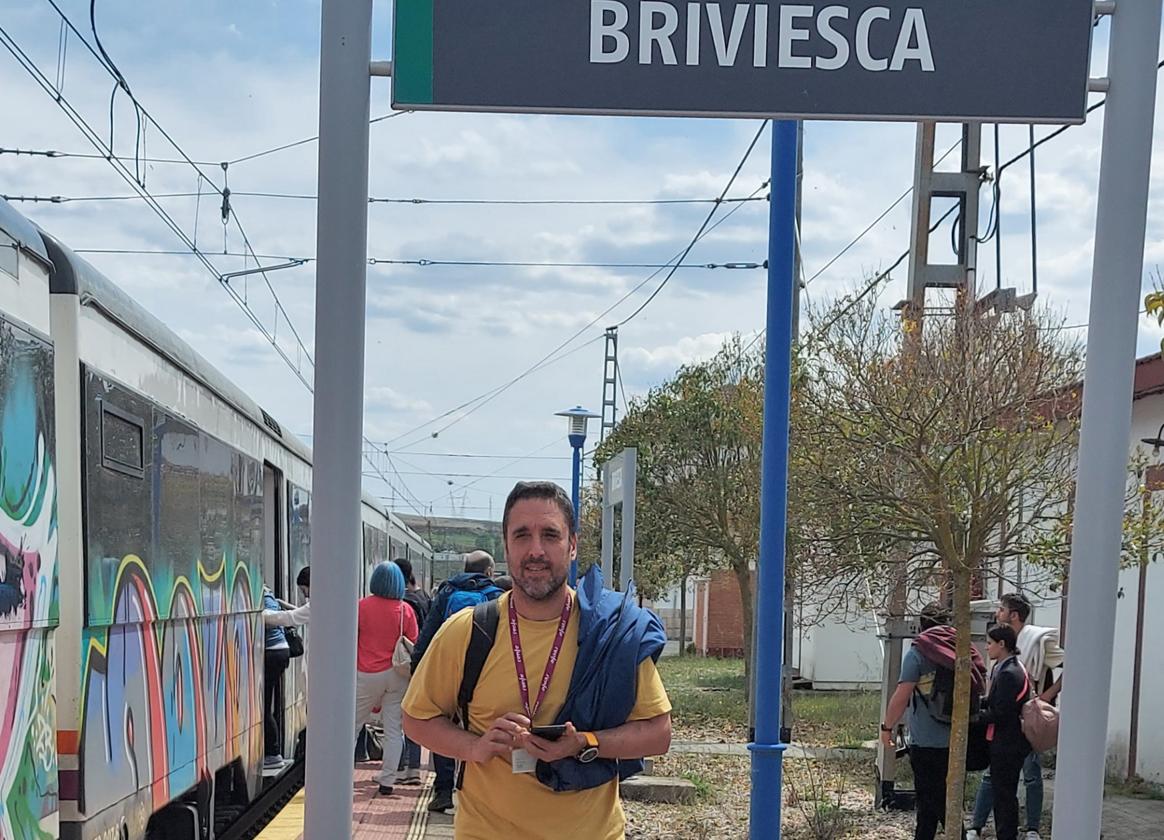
(702, 785)
(706, 694)
(835, 718)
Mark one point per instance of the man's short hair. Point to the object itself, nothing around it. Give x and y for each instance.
(406, 568)
(480, 562)
(1017, 602)
(934, 615)
(304, 577)
(538, 490)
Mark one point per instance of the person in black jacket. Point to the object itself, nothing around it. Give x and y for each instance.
(1010, 688)
(409, 770)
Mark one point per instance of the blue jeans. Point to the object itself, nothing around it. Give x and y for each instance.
(446, 769)
(410, 756)
(1032, 780)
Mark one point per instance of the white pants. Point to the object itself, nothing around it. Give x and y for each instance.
(384, 690)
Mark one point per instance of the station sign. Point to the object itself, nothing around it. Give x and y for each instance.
(946, 60)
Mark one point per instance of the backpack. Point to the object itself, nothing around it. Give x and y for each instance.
(486, 617)
(459, 599)
(939, 699)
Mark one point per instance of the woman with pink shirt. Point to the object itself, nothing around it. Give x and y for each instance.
(383, 618)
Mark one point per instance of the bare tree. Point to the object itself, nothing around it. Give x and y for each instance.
(913, 449)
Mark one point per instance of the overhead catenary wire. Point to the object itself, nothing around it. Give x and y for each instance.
(55, 153)
(489, 395)
(425, 262)
(38, 76)
(469, 202)
(699, 233)
(415, 454)
(555, 442)
(869, 287)
(312, 139)
(875, 222)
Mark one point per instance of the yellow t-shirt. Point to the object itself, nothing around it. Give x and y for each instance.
(495, 802)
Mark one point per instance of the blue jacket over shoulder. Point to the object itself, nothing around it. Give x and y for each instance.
(615, 635)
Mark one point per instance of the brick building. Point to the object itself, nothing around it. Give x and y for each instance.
(719, 622)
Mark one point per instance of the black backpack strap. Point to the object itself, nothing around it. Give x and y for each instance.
(486, 617)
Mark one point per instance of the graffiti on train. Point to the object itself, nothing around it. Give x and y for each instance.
(28, 588)
(181, 500)
(168, 702)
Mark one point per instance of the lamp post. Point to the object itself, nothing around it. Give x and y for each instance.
(577, 418)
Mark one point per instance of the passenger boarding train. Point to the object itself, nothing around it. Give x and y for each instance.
(144, 502)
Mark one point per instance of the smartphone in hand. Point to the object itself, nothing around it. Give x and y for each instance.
(550, 733)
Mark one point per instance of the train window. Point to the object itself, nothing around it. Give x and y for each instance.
(9, 254)
(122, 441)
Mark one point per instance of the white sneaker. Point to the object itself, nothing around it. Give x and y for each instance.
(1033, 835)
(972, 834)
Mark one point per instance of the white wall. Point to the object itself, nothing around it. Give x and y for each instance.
(839, 653)
(1147, 415)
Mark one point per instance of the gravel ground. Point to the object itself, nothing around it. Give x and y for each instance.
(831, 801)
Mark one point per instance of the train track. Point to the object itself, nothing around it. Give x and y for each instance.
(266, 806)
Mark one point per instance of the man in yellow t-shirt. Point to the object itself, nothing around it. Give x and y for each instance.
(502, 796)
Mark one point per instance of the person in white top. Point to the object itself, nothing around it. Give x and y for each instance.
(1040, 655)
(291, 615)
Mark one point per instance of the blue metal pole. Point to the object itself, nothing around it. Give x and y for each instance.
(767, 751)
(576, 441)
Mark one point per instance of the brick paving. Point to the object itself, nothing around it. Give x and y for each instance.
(401, 816)
(1132, 819)
(1124, 818)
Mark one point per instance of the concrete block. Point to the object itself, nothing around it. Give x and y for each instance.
(659, 789)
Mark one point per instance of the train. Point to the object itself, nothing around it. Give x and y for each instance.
(145, 500)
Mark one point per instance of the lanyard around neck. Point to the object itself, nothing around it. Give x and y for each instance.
(551, 662)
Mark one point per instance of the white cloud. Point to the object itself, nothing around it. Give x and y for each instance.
(648, 366)
(383, 398)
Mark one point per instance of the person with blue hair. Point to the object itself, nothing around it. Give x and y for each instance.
(383, 618)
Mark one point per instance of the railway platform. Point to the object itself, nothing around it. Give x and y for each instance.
(402, 816)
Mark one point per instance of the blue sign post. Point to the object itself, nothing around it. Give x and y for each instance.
(767, 751)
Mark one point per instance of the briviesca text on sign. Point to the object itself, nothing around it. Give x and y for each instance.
(672, 33)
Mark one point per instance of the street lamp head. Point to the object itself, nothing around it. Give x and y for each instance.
(1157, 441)
(577, 418)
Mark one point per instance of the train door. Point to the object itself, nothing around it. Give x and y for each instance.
(274, 576)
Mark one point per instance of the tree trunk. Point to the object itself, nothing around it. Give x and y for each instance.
(786, 670)
(960, 719)
(744, 581)
(683, 615)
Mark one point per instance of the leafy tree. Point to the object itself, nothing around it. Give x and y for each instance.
(915, 449)
(698, 439)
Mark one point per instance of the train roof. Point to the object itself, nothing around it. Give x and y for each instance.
(71, 274)
(22, 230)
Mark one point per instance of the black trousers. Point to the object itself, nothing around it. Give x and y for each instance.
(929, 783)
(274, 664)
(1006, 764)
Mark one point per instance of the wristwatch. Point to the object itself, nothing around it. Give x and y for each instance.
(590, 751)
(885, 728)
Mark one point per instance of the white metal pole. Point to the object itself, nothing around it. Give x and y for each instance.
(1125, 166)
(341, 249)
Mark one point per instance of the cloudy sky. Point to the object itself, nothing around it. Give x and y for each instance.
(227, 80)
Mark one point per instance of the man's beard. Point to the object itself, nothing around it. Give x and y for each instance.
(543, 588)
